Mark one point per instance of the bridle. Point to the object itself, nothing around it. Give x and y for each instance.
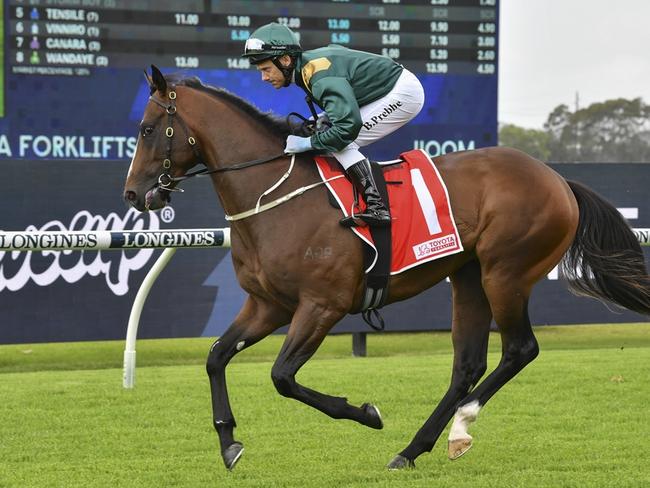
(165, 180)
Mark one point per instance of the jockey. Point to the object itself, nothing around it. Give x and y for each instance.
(364, 95)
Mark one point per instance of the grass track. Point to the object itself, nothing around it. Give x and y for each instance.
(165, 352)
(576, 417)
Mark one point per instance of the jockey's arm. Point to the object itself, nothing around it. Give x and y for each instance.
(338, 100)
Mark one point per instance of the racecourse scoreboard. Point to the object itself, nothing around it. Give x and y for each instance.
(72, 68)
(76, 37)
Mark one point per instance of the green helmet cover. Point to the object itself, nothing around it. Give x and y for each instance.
(270, 41)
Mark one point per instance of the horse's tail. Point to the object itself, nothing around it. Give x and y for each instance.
(605, 260)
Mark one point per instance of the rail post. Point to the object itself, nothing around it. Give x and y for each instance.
(128, 377)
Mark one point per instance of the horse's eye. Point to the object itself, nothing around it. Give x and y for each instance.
(147, 130)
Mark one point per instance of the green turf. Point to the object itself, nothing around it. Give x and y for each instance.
(163, 352)
(576, 417)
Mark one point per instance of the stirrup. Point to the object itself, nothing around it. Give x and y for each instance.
(375, 219)
(352, 221)
(364, 219)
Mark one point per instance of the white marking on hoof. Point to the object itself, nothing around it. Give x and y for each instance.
(457, 448)
(465, 415)
(240, 345)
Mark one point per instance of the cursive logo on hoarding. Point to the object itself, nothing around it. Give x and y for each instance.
(18, 269)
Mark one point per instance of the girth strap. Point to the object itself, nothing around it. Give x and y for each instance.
(377, 279)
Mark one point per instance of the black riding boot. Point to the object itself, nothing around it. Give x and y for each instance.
(376, 213)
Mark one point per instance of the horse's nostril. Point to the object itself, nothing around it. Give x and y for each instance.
(130, 195)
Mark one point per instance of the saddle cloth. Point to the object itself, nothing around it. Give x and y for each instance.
(423, 227)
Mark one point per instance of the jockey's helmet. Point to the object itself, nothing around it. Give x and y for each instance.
(271, 41)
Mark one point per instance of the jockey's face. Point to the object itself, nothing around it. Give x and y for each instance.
(271, 73)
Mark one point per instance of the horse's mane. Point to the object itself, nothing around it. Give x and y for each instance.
(275, 124)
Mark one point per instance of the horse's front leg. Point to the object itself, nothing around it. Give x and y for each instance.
(309, 326)
(256, 320)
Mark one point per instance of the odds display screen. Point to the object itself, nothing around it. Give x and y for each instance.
(72, 85)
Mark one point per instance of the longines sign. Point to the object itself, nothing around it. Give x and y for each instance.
(101, 240)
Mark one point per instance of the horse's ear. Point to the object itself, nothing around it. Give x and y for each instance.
(148, 78)
(158, 80)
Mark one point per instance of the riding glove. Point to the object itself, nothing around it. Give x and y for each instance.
(297, 144)
(322, 122)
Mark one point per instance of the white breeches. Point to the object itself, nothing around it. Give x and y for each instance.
(384, 116)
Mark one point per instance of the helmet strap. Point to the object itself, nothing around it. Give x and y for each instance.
(287, 71)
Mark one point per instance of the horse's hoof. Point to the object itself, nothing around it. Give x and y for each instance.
(373, 416)
(458, 447)
(400, 462)
(232, 455)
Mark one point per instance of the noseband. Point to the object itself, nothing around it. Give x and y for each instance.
(165, 179)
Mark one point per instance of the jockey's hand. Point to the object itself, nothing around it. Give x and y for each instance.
(297, 144)
(323, 122)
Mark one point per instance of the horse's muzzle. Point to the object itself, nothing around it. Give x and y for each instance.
(154, 199)
(130, 196)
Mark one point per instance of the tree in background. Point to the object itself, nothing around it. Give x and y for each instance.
(532, 141)
(611, 131)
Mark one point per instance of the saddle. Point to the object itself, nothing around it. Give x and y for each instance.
(422, 226)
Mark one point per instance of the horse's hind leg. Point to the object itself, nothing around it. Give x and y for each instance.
(508, 275)
(470, 332)
(519, 347)
(256, 320)
(309, 326)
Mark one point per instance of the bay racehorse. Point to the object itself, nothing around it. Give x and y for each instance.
(517, 219)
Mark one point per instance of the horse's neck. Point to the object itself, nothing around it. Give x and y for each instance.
(244, 189)
(242, 139)
(231, 138)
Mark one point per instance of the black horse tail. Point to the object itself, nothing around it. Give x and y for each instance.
(605, 260)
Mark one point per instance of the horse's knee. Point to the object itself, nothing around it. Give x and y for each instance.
(466, 375)
(530, 350)
(217, 358)
(522, 353)
(282, 380)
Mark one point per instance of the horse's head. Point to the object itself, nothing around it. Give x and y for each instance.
(164, 151)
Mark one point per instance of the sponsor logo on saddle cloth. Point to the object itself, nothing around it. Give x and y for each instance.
(423, 227)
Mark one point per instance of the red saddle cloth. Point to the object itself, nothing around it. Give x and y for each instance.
(423, 227)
